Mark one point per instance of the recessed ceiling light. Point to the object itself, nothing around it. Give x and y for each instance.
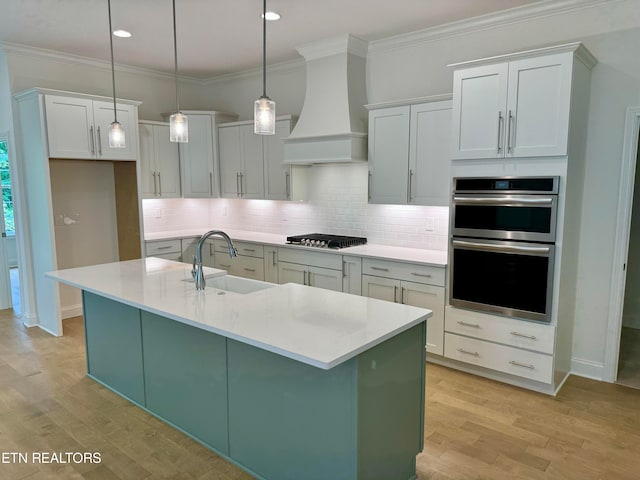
(270, 16)
(123, 33)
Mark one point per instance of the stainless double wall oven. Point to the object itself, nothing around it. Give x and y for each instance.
(503, 233)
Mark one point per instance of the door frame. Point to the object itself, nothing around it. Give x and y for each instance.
(621, 242)
(5, 282)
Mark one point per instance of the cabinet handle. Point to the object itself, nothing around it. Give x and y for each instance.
(287, 182)
(155, 189)
(426, 275)
(159, 184)
(247, 269)
(410, 182)
(369, 186)
(92, 140)
(304, 277)
(249, 249)
(523, 365)
(465, 324)
(344, 269)
(238, 183)
(241, 185)
(211, 182)
(225, 266)
(395, 293)
(509, 148)
(467, 352)
(99, 143)
(380, 268)
(274, 257)
(164, 248)
(517, 334)
(500, 131)
(402, 295)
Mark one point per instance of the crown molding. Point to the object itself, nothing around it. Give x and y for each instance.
(483, 22)
(252, 72)
(345, 43)
(28, 51)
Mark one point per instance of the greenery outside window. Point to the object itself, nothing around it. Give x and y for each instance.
(7, 194)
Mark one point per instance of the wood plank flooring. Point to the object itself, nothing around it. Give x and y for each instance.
(475, 428)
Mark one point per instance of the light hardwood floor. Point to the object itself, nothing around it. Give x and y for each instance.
(475, 428)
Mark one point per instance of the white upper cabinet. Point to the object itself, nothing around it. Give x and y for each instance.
(198, 156)
(78, 127)
(251, 166)
(409, 156)
(518, 108)
(159, 162)
(389, 155)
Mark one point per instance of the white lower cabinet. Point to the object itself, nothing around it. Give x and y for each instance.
(389, 284)
(516, 347)
(315, 269)
(270, 264)
(189, 246)
(248, 264)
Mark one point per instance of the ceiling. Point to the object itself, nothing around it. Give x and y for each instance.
(223, 36)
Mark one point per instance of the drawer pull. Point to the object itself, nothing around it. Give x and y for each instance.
(164, 248)
(380, 268)
(523, 365)
(225, 266)
(426, 275)
(523, 335)
(249, 249)
(475, 354)
(465, 324)
(252, 270)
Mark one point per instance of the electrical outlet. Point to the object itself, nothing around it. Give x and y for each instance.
(224, 211)
(157, 213)
(430, 224)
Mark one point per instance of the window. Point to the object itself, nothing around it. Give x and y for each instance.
(7, 194)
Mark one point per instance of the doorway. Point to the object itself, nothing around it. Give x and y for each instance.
(9, 278)
(622, 351)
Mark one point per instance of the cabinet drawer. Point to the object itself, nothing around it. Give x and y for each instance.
(516, 333)
(163, 246)
(404, 271)
(314, 259)
(241, 266)
(243, 248)
(523, 363)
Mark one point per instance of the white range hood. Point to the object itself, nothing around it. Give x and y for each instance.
(332, 127)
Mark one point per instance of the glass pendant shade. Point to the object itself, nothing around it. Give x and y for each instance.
(179, 128)
(264, 116)
(116, 135)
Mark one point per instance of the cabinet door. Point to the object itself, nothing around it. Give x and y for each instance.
(185, 375)
(167, 162)
(380, 288)
(276, 174)
(70, 127)
(352, 275)
(431, 297)
(148, 181)
(429, 154)
(292, 273)
(538, 106)
(230, 161)
(479, 112)
(224, 262)
(271, 264)
(196, 159)
(388, 155)
(189, 251)
(252, 173)
(324, 278)
(102, 118)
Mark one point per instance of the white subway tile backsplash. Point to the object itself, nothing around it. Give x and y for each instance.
(338, 204)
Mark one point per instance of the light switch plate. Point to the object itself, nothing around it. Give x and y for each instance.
(430, 224)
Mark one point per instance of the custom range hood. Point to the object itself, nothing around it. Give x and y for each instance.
(332, 127)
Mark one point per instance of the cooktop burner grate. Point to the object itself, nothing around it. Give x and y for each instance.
(326, 241)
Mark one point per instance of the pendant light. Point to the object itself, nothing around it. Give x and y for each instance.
(116, 132)
(264, 109)
(178, 122)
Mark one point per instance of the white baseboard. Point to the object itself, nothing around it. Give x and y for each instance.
(48, 331)
(29, 321)
(71, 311)
(587, 368)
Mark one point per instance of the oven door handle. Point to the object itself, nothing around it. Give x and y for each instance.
(501, 248)
(503, 201)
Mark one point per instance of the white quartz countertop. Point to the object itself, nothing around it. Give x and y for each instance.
(311, 325)
(370, 250)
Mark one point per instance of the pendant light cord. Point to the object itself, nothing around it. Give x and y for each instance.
(264, 48)
(113, 73)
(175, 54)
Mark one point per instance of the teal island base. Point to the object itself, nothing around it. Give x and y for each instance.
(275, 417)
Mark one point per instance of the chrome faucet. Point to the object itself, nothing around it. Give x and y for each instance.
(196, 271)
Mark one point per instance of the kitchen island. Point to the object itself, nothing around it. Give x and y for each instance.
(286, 381)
